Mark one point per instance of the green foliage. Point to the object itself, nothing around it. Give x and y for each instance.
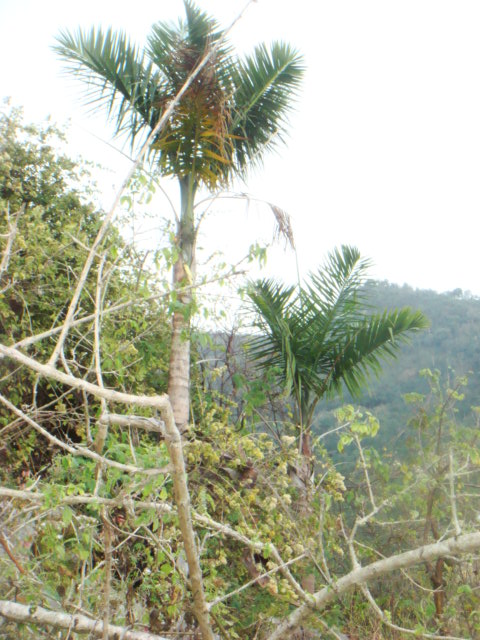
(248, 476)
(232, 112)
(321, 336)
(42, 192)
(451, 345)
(431, 488)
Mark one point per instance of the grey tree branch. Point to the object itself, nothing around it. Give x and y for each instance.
(107, 534)
(102, 430)
(10, 235)
(458, 545)
(139, 422)
(453, 499)
(47, 370)
(74, 623)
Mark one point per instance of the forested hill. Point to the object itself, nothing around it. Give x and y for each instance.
(451, 345)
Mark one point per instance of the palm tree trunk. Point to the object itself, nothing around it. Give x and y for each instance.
(183, 280)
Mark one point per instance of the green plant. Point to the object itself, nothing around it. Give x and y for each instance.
(231, 113)
(321, 336)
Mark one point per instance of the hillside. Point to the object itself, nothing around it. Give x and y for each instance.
(451, 345)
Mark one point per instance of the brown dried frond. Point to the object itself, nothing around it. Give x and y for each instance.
(283, 227)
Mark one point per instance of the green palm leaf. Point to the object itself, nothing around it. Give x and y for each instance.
(234, 111)
(264, 84)
(379, 337)
(320, 337)
(117, 77)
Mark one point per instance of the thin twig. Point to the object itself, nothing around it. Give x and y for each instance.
(107, 535)
(77, 450)
(453, 500)
(276, 569)
(8, 551)
(12, 232)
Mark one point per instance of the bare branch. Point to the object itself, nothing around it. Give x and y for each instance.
(10, 554)
(157, 402)
(453, 500)
(139, 422)
(102, 430)
(457, 545)
(74, 623)
(255, 580)
(12, 232)
(107, 534)
(77, 450)
(387, 622)
(365, 471)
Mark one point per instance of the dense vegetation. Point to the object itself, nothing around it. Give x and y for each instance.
(118, 520)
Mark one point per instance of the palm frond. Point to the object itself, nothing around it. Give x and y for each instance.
(116, 76)
(231, 113)
(378, 338)
(201, 29)
(271, 348)
(271, 301)
(333, 300)
(340, 279)
(265, 85)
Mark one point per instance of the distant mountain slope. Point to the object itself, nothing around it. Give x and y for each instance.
(452, 345)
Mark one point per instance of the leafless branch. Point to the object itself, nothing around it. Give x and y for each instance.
(466, 543)
(10, 554)
(453, 500)
(76, 623)
(107, 534)
(255, 580)
(102, 430)
(10, 235)
(388, 623)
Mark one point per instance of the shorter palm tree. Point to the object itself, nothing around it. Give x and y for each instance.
(323, 336)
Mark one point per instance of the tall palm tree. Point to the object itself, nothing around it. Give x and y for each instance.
(232, 113)
(322, 336)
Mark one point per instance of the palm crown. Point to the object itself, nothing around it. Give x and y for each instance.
(231, 114)
(322, 336)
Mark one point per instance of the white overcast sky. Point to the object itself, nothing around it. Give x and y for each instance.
(384, 148)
